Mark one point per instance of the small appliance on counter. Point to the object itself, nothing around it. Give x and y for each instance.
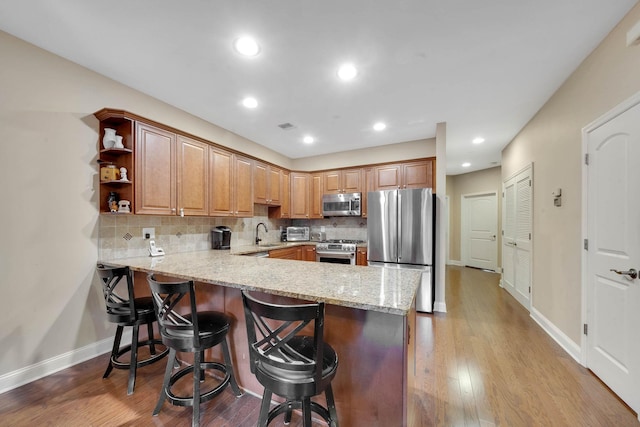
(297, 234)
(318, 236)
(221, 237)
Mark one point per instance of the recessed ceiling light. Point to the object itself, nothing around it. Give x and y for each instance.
(478, 140)
(379, 126)
(250, 102)
(347, 72)
(308, 139)
(466, 165)
(246, 46)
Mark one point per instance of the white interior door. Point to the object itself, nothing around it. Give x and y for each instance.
(479, 230)
(516, 236)
(613, 232)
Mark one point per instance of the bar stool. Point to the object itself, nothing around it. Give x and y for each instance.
(124, 309)
(295, 367)
(192, 332)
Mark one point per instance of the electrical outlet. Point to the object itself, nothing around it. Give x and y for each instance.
(149, 233)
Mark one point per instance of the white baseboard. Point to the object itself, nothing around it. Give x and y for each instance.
(455, 262)
(558, 336)
(440, 306)
(34, 372)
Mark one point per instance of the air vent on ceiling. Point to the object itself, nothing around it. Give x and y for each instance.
(286, 126)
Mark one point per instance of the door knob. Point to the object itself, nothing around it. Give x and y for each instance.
(632, 273)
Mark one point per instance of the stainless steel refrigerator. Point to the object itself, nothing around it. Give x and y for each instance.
(400, 234)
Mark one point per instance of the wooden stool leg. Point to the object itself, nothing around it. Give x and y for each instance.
(331, 406)
(227, 361)
(152, 346)
(306, 412)
(165, 383)
(264, 408)
(133, 361)
(114, 350)
(197, 372)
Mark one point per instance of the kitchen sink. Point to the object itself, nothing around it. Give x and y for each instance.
(270, 245)
(261, 254)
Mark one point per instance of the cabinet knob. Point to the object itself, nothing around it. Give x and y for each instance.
(173, 210)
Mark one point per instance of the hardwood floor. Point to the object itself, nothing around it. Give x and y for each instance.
(484, 363)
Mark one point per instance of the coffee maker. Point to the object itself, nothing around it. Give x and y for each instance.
(221, 237)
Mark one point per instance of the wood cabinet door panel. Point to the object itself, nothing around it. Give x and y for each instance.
(352, 181)
(274, 193)
(260, 183)
(300, 195)
(387, 177)
(193, 177)
(331, 182)
(155, 171)
(418, 175)
(243, 187)
(220, 189)
(315, 195)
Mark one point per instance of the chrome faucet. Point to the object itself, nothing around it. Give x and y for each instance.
(258, 239)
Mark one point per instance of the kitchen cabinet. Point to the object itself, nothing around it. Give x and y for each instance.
(415, 174)
(342, 181)
(315, 196)
(284, 209)
(309, 253)
(294, 253)
(231, 192)
(367, 185)
(361, 256)
(155, 184)
(192, 177)
(300, 187)
(119, 157)
(267, 184)
(172, 173)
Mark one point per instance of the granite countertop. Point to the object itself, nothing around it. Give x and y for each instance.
(252, 249)
(368, 288)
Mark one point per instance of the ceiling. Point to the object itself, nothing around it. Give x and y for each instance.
(483, 67)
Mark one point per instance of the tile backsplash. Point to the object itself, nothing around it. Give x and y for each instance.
(120, 236)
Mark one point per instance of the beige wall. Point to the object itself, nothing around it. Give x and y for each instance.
(386, 153)
(552, 141)
(484, 181)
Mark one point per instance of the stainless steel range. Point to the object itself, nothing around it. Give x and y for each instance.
(337, 251)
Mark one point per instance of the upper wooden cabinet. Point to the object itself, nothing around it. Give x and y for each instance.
(267, 184)
(418, 174)
(284, 209)
(192, 177)
(342, 181)
(155, 184)
(172, 173)
(315, 195)
(232, 191)
(300, 187)
(367, 174)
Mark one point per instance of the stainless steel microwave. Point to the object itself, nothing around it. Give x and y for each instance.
(346, 204)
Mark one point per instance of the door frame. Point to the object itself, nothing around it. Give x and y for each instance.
(606, 117)
(464, 252)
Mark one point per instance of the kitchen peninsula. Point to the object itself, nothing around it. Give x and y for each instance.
(370, 316)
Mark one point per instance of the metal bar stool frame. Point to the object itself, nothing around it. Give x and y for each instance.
(127, 310)
(192, 332)
(293, 366)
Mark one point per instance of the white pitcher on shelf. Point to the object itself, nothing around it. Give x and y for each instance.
(118, 143)
(109, 139)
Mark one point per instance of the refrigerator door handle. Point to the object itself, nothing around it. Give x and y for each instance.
(399, 254)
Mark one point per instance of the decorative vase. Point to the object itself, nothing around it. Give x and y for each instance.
(118, 143)
(109, 139)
